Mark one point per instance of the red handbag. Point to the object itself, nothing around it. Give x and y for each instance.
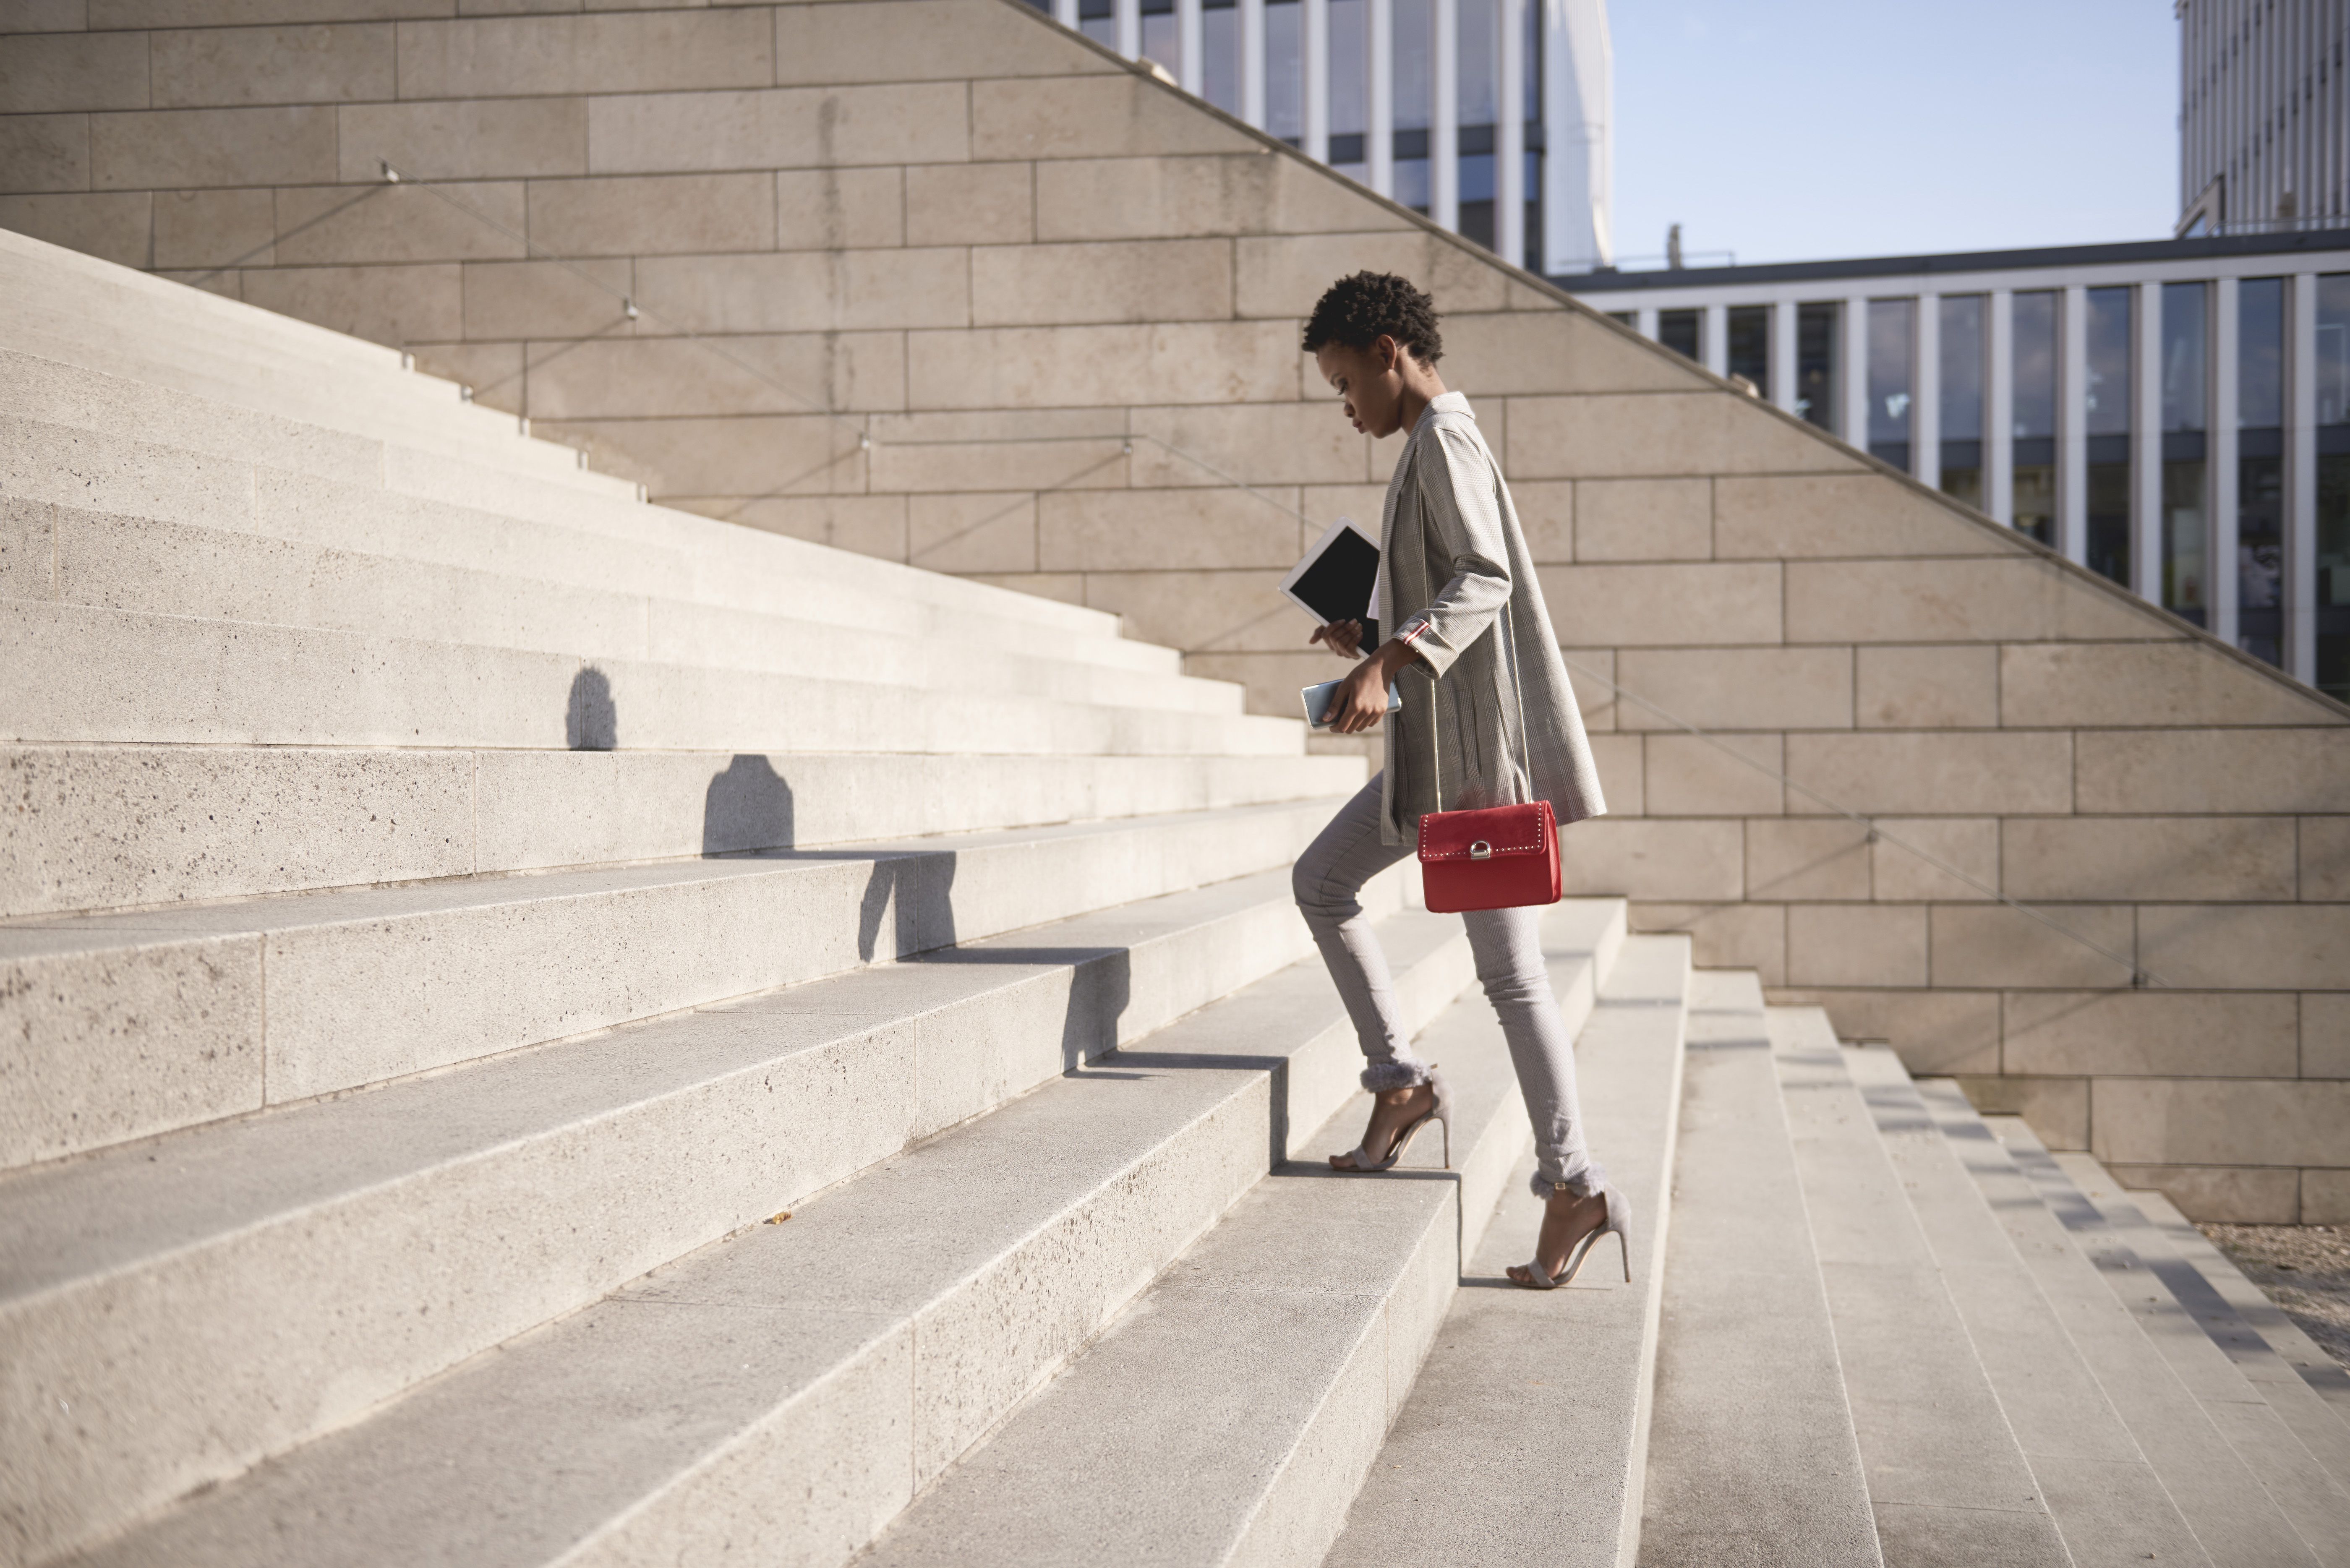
(1498, 859)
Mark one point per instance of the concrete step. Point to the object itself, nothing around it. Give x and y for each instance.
(177, 359)
(156, 331)
(2110, 1501)
(392, 501)
(1753, 1458)
(1525, 1439)
(2224, 1500)
(111, 561)
(106, 827)
(782, 1393)
(2278, 1426)
(1948, 1483)
(381, 1237)
(86, 675)
(1234, 1411)
(117, 1026)
(2230, 1305)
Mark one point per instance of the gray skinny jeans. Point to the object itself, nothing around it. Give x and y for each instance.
(1507, 945)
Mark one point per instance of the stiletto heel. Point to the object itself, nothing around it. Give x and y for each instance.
(1439, 1111)
(1612, 1223)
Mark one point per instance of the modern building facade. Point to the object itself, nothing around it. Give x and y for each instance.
(1490, 115)
(2264, 116)
(2175, 415)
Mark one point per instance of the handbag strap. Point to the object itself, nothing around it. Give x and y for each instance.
(1501, 628)
(1504, 628)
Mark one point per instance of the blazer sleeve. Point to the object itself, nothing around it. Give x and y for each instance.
(1462, 510)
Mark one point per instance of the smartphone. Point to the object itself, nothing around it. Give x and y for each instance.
(1317, 700)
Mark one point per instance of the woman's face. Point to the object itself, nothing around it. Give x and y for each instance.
(1370, 383)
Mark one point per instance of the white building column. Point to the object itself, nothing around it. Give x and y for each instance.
(1444, 118)
(1316, 22)
(1577, 116)
(1252, 21)
(1191, 43)
(1852, 370)
(1999, 411)
(2300, 594)
(1065, 11)
(1713, 340)
(2145, 444)
(1782, 390)
(2072, 424)
(1378, 143)
(1126, 17)
(1509, 140)
(1643, 321)
(1926, 395)
(2220, 537)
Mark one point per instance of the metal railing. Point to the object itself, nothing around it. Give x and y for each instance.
(633, 310)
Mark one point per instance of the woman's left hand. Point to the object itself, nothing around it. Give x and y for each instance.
(1361, 699)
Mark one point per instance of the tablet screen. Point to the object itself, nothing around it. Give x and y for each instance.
(1334, 583)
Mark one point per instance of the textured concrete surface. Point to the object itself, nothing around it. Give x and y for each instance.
(1751, 1458)
(1320, 1294)
(2109, 1502)
(2250, 1304)
(2222, 1497)
(368, 985)
(1947, 1483)
(94, 827)
(1525, 1438)
(899, 1320)
(2282, 1432)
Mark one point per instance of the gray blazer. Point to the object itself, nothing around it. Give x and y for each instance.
(1458, 584)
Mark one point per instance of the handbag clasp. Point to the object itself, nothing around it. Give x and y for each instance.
(1480, 850)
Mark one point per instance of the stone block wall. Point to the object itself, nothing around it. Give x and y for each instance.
(975, 295)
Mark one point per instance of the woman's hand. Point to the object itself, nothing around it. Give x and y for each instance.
(1361, 699)
(1343, 637)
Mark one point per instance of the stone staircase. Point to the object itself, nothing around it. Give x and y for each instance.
(536, 1029)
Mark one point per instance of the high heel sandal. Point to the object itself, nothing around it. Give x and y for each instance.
(1612, 1223)
(1440, 1111)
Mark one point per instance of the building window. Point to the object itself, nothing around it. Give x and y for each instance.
(1750, 345)
(1628, 318)
(1284, 70)
(1477, 186)
(1892, 360)
(1350, 86)
(1962, 396)
(1478, 105)
(2035, 415)
(1414, 99)
(1162, 39)
(2106, 412)
(2186, 390)
(2333, 485)
(1679, 330)
(1097, 22)
(1220, 53)
(1815, 363)
(2260, 468)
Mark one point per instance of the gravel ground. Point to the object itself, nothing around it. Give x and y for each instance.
(2305, 1268)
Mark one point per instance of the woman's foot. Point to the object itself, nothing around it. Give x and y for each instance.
(1390, 1112)
(1566, 1220)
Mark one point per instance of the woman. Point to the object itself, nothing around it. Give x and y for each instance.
(1487, 711)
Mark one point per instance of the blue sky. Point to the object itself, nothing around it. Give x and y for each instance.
(1833, 128)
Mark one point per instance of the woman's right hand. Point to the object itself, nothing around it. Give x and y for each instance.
(1343, 637)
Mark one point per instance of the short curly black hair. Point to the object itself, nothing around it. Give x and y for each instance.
(1360, 310)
